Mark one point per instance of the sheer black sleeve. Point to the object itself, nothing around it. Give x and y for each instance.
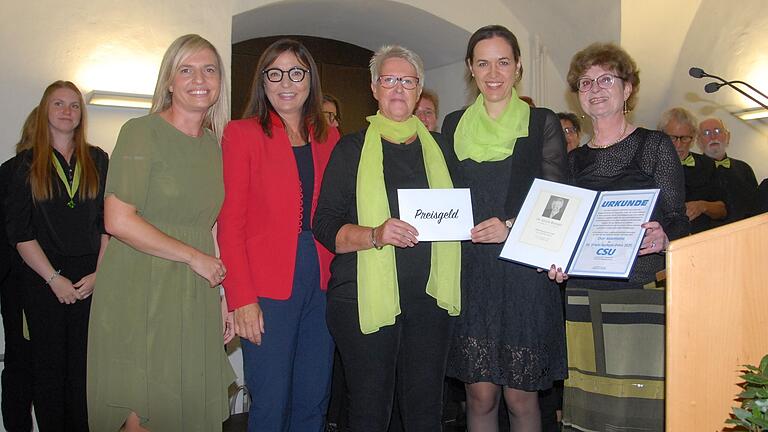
(554, 160)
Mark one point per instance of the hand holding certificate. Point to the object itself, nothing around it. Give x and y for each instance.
(588, 233)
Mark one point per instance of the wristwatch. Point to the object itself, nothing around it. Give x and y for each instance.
(509, 223)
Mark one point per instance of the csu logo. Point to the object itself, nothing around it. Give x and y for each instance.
(605, 252)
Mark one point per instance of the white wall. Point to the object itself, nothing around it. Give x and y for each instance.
(732, 43)
(105, 45)
(667, 38)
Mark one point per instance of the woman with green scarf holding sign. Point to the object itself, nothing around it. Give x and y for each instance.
(510, 333)
(390, 297)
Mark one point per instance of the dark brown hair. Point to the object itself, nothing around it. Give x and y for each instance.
(611, 57)
(488, 32)
(571, 117)
(40, 178)
(258, 105)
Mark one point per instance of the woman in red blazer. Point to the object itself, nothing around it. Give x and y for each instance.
(276, 271)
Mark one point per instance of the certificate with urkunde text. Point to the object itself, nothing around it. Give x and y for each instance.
(437, 214)
(587, 233)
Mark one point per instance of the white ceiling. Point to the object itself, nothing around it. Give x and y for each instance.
(436, 40)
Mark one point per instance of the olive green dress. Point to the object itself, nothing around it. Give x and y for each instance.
(155, 343)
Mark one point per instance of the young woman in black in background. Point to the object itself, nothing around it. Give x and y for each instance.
(54, 215)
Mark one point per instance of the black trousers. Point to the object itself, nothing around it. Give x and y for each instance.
(59, 335)
(17, 368)
(408, 358)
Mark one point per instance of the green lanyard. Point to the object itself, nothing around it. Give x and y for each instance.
(75, 179)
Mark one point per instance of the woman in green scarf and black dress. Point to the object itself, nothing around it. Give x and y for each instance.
(390, 297)
(510, 333)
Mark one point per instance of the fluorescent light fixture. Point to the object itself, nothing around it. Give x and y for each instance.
(752, 113)
(123, 100)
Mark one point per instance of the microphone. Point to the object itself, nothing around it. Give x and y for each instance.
(712, 87)
(696, 72)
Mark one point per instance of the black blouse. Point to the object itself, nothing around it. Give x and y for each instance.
(306, 169)
(337, 206)
(58, 228)
(645, 159)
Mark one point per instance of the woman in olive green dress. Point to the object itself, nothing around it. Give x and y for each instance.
(155, 357)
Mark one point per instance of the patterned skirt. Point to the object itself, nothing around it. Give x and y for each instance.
(615, 358)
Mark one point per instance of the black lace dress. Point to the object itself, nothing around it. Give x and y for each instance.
(510, 331)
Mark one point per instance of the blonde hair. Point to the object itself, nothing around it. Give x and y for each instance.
(218, 114)
(682, 116)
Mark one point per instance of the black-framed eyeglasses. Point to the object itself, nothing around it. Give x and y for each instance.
(331, 116)
(604, 81)
(390, 81)
(570, 130)
(711, 132)
(685, 139)
(295, 74)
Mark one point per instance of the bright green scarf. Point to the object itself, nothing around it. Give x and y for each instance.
(378, 297)
(481, 138)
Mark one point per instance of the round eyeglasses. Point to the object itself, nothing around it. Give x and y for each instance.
(390, 81)
(711, 132)
(295, 74)
(604, 81)
(685, 139)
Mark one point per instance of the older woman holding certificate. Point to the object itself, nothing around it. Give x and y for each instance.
(390, 297)
(615, 328)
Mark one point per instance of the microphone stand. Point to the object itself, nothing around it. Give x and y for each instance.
(730, 84)
(698, 73)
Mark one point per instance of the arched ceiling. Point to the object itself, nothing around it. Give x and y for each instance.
(565, 27)
(436, 40)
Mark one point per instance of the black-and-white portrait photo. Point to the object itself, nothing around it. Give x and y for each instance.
(555, 207)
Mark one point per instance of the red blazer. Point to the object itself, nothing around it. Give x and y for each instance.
(260, 219)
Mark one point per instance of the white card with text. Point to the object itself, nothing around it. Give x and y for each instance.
(437, 214)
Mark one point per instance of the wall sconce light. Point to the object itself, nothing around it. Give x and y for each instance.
(115, 99)
(752, 114)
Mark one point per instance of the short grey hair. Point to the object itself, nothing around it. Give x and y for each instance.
(682, 116)
(396, 51)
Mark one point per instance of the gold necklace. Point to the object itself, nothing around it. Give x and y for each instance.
(621, 135)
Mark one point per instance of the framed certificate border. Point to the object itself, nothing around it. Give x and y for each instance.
(585, 232)
(586, 260)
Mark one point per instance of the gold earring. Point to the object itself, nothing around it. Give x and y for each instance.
(626, 110)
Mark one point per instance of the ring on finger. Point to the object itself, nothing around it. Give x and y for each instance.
(653, 244)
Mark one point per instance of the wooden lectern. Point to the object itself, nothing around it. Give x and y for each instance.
(717, 320)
